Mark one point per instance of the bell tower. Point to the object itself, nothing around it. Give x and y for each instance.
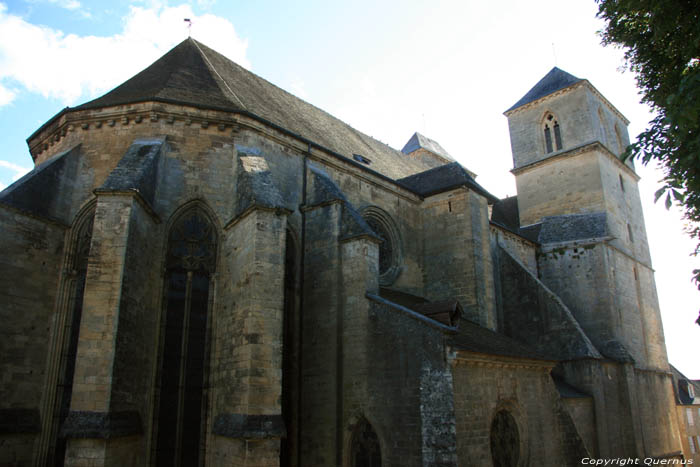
(580, 200)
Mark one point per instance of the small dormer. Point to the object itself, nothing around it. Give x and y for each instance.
(427, 151)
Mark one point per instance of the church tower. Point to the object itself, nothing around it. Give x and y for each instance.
(581, 202)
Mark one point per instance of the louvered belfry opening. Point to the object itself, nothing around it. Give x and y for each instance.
(191, 260)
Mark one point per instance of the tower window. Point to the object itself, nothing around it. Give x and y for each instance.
(620, 144)
(629, 233)
(622, 183)
(551, 125)
(548, 138)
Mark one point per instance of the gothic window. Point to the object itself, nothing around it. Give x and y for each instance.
(552, 134)
(190, 263)
(390, 254)
(364, 448)
(79, 265)
(603, 126)
(620, 145)
(505, 440)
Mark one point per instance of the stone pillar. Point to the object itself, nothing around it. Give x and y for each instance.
(359, 276)
(320, 367)
(246, 374)
(117, 334)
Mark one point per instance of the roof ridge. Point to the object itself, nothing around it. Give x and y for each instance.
(218, 75)
(357, 131)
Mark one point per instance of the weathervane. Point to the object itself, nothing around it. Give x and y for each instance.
(189, 27)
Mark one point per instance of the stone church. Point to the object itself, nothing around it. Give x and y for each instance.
(203, 269)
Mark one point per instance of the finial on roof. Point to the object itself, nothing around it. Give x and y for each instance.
(189, 27)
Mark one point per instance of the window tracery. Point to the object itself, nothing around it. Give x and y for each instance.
(390, 249)
(190, 264)
(552, 134)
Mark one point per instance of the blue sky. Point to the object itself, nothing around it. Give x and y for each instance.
(445, 68)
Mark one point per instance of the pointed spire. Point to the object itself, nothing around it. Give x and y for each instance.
(553, 81)
(419, 141)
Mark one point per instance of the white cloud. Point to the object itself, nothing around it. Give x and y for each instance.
(14, 167)
(6, 95)
(17, 171)
(67, 4)
(67, 66)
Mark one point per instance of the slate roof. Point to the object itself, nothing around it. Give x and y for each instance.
(419, 141)
(569, 227)
(443, 178)
(444, 311)
(553, 81)
(566, 390)
(193, 74)
(680, 388)
(477, 339)
(505, 212)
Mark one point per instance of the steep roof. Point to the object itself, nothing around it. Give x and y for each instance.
(195, 75)
(419, 141)
(444, 178)
(553, 81)
(478, 339)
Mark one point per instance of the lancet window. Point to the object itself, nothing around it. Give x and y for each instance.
(552, 134)
(190, 264)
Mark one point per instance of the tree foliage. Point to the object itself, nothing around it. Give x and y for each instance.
(661, 39)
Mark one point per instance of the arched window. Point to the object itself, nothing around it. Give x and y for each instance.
(505, 440)
(364, 448)
(620, 144)
(390, 252)
(71, 333)
(190, 263)
(552, 134)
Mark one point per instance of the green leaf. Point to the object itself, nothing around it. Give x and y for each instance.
(659, 193)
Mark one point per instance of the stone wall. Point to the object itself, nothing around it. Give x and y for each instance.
(29, 289)
(457, 253)
(567, 185)
(484, 385)
(412, 352)
(522, 249)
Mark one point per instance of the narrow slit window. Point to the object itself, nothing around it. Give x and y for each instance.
(557, 136)
(629, 233)
(548, 138)
(622, 184)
